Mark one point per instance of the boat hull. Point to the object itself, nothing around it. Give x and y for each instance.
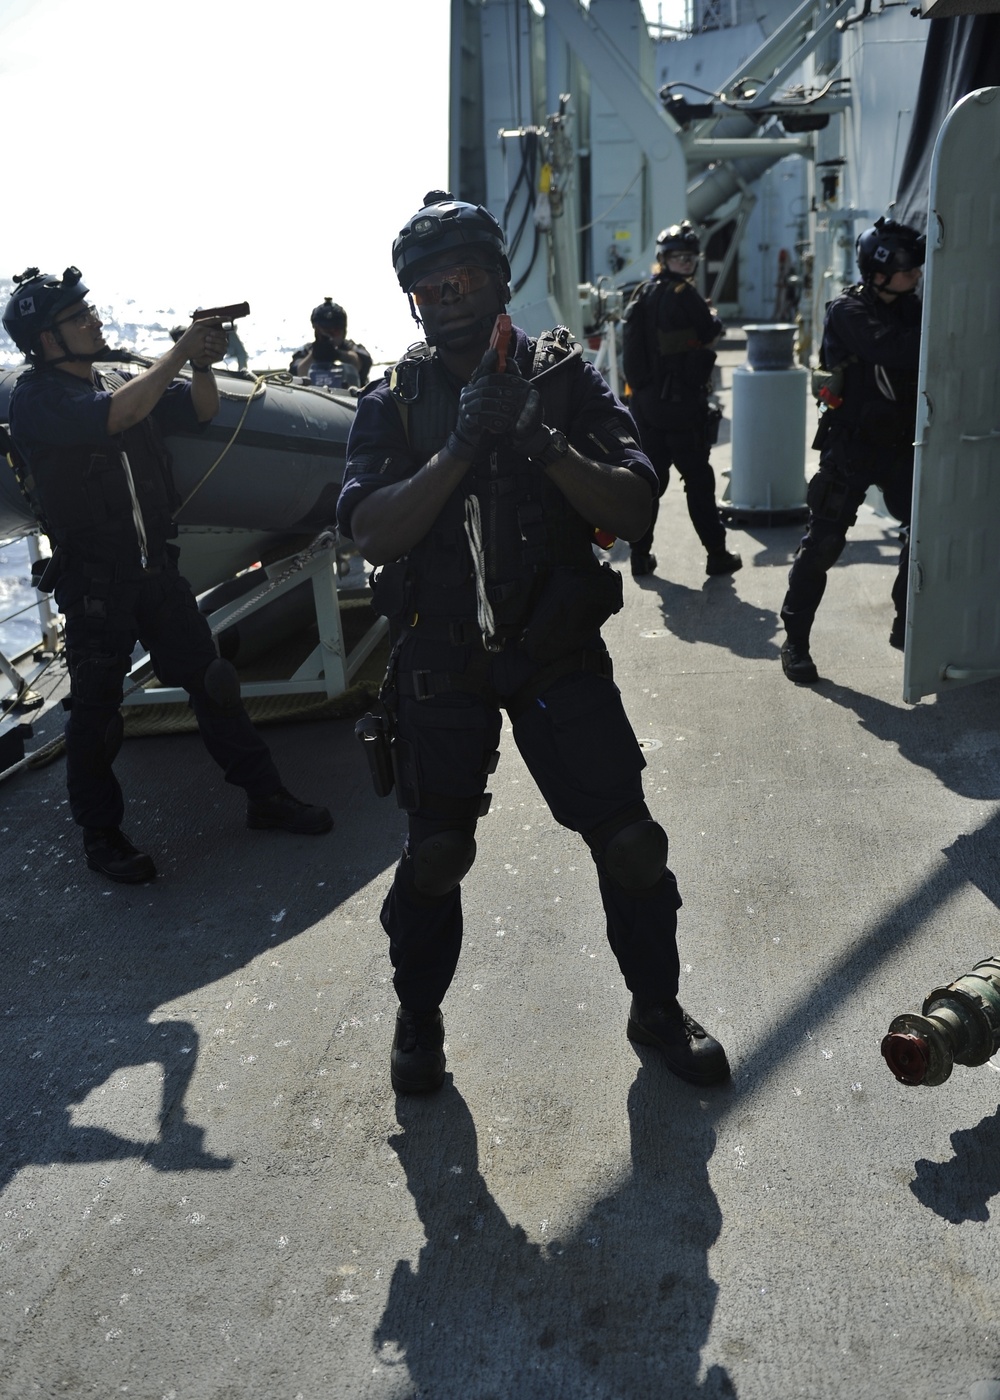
(280, 475)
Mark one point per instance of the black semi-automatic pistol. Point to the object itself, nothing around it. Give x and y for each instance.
(222, 313)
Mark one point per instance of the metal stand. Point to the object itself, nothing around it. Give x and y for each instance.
(42, 653)
(328, 669)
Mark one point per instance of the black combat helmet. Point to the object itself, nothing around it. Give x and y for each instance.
(889, 247)
(447, 224)
(678, 238)
(36, 302)
(330, 314)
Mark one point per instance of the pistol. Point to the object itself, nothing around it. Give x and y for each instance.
(222, 313)
(500, 340)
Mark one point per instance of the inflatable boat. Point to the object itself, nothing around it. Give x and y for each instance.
(264, 474)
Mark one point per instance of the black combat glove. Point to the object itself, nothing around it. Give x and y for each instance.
(490, 403)
(324, 351)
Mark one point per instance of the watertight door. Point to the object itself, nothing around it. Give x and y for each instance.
(953, 633)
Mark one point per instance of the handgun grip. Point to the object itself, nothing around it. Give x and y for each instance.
(500, 340)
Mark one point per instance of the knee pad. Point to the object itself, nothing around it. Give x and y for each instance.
(442, 861)
(222, 684)
(636, 856)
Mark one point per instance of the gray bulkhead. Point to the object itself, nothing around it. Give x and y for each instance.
(953, 612)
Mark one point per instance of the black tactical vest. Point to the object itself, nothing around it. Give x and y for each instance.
(528, 526)
(81, 496)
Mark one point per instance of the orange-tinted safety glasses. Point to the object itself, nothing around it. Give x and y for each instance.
(428, 291)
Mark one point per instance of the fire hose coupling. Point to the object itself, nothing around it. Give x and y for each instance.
(960, 1024)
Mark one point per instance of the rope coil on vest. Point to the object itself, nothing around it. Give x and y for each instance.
(474, 534)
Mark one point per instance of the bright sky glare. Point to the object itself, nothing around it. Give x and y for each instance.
(199, 152)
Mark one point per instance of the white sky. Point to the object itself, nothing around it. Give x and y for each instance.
(198, 152)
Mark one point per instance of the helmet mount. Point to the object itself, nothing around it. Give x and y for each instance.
(444, 224)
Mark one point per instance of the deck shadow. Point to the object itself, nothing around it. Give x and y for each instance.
(961, 1188)
(620, 1305)
(955, 738)
(88, 965)
(715, 615)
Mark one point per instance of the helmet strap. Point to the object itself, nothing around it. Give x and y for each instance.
(68, 354)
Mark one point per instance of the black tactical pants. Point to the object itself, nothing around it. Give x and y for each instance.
(579, 747)
(834, 496)
(686, 449)
(104, 620)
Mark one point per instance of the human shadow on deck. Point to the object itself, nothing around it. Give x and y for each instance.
(961, 1188)
(779, 543)
(715, 615)
(956, 737)
(622, 1305)
(90, 970)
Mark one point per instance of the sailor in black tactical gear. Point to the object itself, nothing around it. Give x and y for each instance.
(476, 477)
(871, 339)
(668, 356)
(331, 358)
(91, 459)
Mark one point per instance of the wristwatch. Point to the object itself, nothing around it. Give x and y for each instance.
(554, 450)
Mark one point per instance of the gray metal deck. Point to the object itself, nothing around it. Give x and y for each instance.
(565, 1221)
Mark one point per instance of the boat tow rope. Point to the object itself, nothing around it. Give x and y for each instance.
(259, 387)
(260, 383)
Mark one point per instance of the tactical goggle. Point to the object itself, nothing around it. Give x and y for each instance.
(86, 313)
(428, 291)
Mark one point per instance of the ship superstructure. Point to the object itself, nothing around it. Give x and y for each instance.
(782, 135)
(587, 130)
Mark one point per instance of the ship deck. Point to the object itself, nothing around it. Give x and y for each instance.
(209, 1190)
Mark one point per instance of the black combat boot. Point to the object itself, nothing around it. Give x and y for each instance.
(797, 664)
(643, 564)
(897, 634)
(111, 853)
(417, 1060)
(280, 811)
(722, 561)
(690, 1052)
